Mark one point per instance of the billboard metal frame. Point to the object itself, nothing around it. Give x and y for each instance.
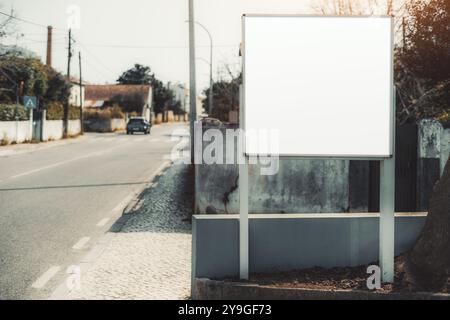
(323, 156)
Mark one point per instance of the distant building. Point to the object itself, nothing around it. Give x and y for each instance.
(76, 91)
(130, 98)
(181, 93)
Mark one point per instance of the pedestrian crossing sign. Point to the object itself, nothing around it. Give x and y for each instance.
(30, 102)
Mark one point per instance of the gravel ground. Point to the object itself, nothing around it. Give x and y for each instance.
(150, 257)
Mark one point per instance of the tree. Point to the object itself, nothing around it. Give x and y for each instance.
(424, 90)
(7, 26)
(426, 267)
(139, 74)
(38, 80)
(163, 97)
(423, 64)
(225, 95)
(58, 87)
(8, 29)
(354, 7)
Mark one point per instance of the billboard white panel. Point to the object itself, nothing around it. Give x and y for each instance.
(325, 84)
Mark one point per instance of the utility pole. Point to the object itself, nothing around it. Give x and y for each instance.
(81, 96)
(192, 76)
(211, 82)
(211, 93)
(66, 105)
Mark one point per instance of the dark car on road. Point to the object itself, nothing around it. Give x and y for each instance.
(138, 125)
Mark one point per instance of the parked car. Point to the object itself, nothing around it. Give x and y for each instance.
(138, 125)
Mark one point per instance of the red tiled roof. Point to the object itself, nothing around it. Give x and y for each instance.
(107, 92)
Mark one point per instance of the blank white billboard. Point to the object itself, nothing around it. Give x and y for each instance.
(325, 84)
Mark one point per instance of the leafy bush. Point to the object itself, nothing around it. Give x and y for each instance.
(105, 114)
(5, 140)
(8, 112)
(116, 113)
(55, 111)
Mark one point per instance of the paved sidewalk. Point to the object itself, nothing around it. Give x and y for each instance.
(149, 256)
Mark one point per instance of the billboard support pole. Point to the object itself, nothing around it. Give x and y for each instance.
(243, 221)
(387, 209)
(387, 219)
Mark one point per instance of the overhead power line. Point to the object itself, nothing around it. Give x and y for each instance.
(26, 21)
(156, 47)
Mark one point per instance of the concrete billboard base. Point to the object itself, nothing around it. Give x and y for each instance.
(285, 242)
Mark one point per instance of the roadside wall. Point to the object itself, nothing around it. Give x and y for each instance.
(322, 186)
(104, 125)
(9, 129)
(300, 186)
(74, 127)
(52, 130)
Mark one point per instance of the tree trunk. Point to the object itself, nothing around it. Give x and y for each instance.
(426, 265)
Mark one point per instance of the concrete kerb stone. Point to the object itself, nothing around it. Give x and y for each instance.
(205, 289)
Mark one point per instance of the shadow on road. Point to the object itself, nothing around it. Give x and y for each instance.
(101, 185)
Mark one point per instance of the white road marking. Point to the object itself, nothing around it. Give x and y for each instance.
(42, 280)
(102, 222)
(97, 153)
(81, 243)
(123, 203)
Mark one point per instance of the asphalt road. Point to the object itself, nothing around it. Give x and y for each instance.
(55, 202)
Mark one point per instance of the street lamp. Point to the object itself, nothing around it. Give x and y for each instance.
(210, 66)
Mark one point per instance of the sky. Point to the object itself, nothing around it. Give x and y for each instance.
(114, 35)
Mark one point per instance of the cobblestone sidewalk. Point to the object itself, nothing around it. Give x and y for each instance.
(150, 256)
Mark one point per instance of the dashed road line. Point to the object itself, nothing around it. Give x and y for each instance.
(46, 277)
(81, 243)
(94, 154)
(102, 222)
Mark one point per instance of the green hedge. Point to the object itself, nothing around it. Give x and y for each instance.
(8, 112)
(104, 114)
(55, 111)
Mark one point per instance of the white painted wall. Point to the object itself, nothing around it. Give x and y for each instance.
(52, 130)
(118, 124)
(74, 127)
(9, 129)
(74, 98)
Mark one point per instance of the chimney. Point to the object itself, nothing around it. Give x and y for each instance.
(49, 45)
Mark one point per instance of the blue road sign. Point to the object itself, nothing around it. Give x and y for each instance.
(30, 102)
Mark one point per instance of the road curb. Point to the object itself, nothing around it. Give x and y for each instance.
(62, 292)
(206, 289)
